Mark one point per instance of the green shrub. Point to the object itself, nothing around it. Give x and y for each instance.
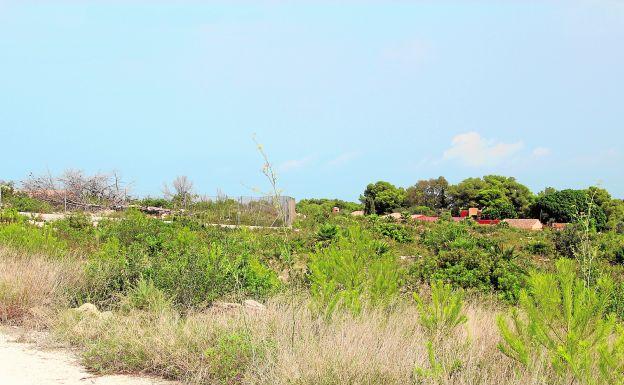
(327, 232)
(155, 202)
(439, 318)
(471, 263)
(32, 239)
(350, 273)
(539, 247)
(394, 231)
(10, 215)
(187, 270)
(24, 203)
(569, 321)
(445, 235)
(568, 240)
(146, 296)
(445, 311)
(423, 210)
(611, 247)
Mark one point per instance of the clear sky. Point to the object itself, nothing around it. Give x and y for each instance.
(341, 93)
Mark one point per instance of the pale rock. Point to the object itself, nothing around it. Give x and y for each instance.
(253, 305)
(87, 308)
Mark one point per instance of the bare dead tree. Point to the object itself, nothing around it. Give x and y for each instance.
(76, 190)
(183, 190)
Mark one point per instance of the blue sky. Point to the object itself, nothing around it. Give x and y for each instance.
(340, 93)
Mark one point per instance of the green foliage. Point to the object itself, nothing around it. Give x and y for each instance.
(190, 272)
(567, 240)
(10, 215)
(32, 239)
(394, 231)
(146, 296)
(24, 203)
(230, 354)
(568, 320)
(155, 202)
(322, 208)
(439, 317)
(430, 194)
(539, 247)
(504, 195)
(611, 247)
(21, 201)
(499, 209)
(350, 273)
(435, 370)
(445, 311)
(613, 208)
(382, 197)
(566, 206)
(467, 260)
(423, 210)
(327, 232)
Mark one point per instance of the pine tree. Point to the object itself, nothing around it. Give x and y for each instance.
(560, 315)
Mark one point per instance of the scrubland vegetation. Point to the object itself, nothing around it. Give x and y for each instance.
(349, 300)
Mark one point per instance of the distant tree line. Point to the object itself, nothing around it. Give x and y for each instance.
(498, 197)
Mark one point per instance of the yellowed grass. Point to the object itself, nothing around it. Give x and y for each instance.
(290, 345)
(32, 286)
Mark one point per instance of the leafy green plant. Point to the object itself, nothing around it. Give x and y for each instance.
(190, 272)
(394, 231)
(563, 317)
(10, 215)
(350, 273)
(444, 312)
(327, 232)
(440, 317)
(32, 239)
(539, 247)
(146, 296)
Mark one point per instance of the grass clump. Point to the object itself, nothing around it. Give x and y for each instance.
(32, 286)
(196, 349)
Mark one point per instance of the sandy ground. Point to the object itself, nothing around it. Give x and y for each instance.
(25, 364)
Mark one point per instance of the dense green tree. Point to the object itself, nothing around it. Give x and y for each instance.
(322, 208)
(465, 194)
(499, 209)
(613, 208)
(382, 197)
(430, 193)
(496, 193)
(567, 206)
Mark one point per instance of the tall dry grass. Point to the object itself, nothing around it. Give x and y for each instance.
(288, 344)
(33, 286)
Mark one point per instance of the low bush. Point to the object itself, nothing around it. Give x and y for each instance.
(327, 232)
(189, 271)
(394, 231)
(568, 321)
(21, 202)
(539, 247)
(27, 238)
(10, 215)
(469, 261)
(195, 349)
(351, 273)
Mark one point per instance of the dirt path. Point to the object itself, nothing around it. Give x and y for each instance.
(23, 364)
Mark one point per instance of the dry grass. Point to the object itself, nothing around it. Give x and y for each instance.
(287, 344)
(32, 286)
